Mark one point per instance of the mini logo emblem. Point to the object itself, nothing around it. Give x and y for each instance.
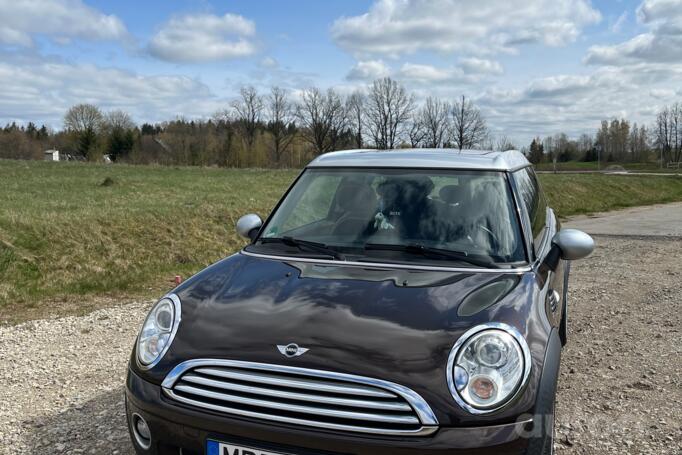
(291, 350)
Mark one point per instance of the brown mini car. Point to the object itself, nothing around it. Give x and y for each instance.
(399, 302)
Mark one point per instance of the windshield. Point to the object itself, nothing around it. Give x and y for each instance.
(397, 215)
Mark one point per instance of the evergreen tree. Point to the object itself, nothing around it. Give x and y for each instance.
(536, 154)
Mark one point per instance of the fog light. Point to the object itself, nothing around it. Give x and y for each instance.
(143, 436)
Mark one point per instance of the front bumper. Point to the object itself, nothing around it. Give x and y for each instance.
(175, 426)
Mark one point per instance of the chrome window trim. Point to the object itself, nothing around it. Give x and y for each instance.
(386, 265)
(527, 363)
(426, 416)
(177, 307)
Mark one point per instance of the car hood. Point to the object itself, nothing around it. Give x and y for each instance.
(393, 325)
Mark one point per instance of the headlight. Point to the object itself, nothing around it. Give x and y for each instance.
(158, 331)
(487, 366)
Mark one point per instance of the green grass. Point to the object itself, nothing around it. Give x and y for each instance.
(592, 166)
(64, 236)
(68, 244)
(573, 194)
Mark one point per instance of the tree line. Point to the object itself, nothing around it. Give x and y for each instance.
(275, 130)
(618, 141)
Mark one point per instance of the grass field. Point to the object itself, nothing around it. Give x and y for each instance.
(592, 166)
(68, 243)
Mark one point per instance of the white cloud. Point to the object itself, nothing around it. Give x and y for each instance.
(469, 71)
(575, 104)
(474, 65)
(397, 27)
(204, 37)
(662, 93)
(269, 63)
(43, 91)
(662, 43)
(653, 11)
(427, 74)
(368, 70)
(60, 20)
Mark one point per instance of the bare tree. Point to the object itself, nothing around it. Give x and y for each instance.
(638, 142)
(248, 109)
(355, 107)
(668, 133)
(585, 145)
(487, 143)
(504, 143)
(468, 126)
(83, 117)
(388, 109)
(676, 132)
(322, 118)
(417, 132)
(279, 122)
(118, 120)
(85, 122)
(434, 118)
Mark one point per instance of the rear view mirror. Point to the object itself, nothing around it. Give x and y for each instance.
(249, 225)
(574, 244)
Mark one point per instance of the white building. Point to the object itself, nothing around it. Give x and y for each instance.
(51, 155)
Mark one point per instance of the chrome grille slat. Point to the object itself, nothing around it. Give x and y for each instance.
(300, 396)
(337, 413)
(305, 384)
(381, 405)
(423, 431)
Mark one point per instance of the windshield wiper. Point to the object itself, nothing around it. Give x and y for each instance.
(301, 244)
(416, 248)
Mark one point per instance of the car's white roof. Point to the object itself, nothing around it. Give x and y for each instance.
(483, 160)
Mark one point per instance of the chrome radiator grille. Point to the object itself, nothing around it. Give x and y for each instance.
(300, 396)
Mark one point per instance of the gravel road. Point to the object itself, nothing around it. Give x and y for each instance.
(657, 220)
(620, 390)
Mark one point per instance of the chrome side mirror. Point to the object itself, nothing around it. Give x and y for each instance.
(574, 244)
(248, 226)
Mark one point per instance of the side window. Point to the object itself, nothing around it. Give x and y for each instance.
(531, 197)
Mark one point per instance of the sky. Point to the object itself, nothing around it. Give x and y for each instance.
(534, 67)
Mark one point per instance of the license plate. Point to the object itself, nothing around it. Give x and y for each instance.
(224, 448)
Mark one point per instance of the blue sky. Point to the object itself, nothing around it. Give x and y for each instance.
(535, 67)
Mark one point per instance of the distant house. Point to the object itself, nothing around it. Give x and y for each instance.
(51, 155)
